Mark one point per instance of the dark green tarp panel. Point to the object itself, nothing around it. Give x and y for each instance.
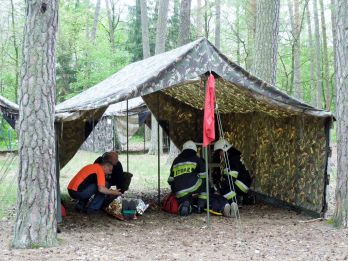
(285, 142)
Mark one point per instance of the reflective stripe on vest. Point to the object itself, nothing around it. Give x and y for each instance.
(183, 168)
(184, 192)
(241, 186)
(230, 195)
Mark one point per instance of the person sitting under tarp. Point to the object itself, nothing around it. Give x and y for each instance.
(117, 178)
(236, 173)
(187, 179)
(88, 182)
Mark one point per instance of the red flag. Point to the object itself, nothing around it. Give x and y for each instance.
(209, 116)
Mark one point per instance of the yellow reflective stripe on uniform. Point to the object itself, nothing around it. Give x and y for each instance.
(241, 186)
(184, 168)
(202, 175)
(203, 195)
(230, 195)
(232, 173)
(184, 192)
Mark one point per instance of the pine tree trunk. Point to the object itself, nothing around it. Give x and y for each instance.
(184, 28)
(199, 19)
(36, 223)
(218, 24)
(16, 49)
(145, 29)
(326, 76)
(95, 23)
(317, 57)
(341, 210)
(314, 94)
(334, 42)
(266, 40)
(159, 48)
(251, 24)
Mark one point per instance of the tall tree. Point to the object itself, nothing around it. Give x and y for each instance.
(334, 42)
(317, 57)
(341, 210)
(36, 199)
(159, 48)
(113, 20)
(145, 29)
(199, 19)
(218, 24)
(95, 22)
(314, 96)
(266, 40)
(251, 29)
(326, 71)
(16, 49)
(184, 29)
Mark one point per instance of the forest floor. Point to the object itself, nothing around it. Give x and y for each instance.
(264, 232)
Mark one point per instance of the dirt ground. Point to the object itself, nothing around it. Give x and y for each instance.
(264, 233)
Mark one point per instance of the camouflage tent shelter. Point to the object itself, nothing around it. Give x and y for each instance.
(285, 143)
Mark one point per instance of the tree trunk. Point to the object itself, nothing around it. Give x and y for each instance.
(16, 49)
(184, 29)
(314, 94)
(317, 57)
(266, 40)
(111, 25)
(341, 210)
(334, 42)
(36, 223)
(95, 23)
(251, 24)
(326, 76)
(199, 19)
(159, 48)
(145, 29)
(218, 24)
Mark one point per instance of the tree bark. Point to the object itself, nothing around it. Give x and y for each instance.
(314, 94)
(36, 223)
(218, 24)
(199, 19)
(145, 29)
(317, 57)
(159, 48)
(251, 25)
(95, 23)
(184, 29)
(266, 40)
(341, 210)
(326, 76)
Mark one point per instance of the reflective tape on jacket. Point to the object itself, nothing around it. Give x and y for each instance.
(202, 175)
(241, 186)
(230, 195)
(187, 191)
(183, 168)
(203, 195)
(232, 173)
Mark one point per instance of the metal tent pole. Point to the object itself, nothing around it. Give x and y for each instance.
(127, 140)
(158, 156)
(207, 183)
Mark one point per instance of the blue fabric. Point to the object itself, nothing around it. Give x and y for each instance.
(84, 196)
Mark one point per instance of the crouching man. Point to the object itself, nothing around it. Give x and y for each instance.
(88, 182)
(187, 178)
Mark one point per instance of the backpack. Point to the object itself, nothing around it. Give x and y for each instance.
(170, 204)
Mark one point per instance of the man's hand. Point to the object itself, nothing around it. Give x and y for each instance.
(116, 192)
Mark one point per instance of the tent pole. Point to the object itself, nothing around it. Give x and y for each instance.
(59, 207)
(158, 157)
(127, 140)
(207, 184)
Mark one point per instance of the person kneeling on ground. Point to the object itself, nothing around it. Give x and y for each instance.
(234, 172)
(117, 178)
(187, 177)
(88, 182)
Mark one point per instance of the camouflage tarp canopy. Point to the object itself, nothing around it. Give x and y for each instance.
(285, 143)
